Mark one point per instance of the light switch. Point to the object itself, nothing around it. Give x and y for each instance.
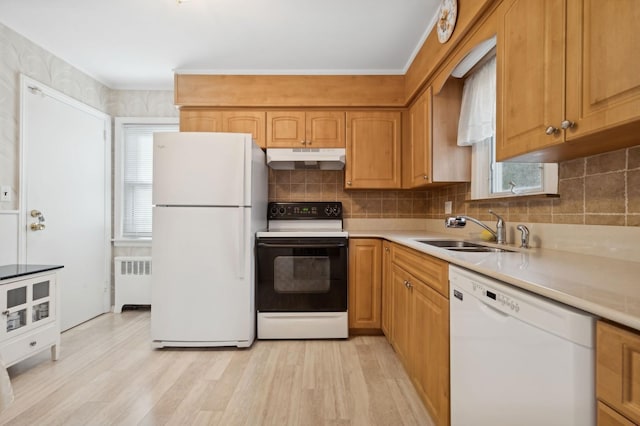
(447, 207)
(5, 193)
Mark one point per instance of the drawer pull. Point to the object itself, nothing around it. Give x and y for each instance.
(33, 343)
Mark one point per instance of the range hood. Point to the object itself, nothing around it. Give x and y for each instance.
(306, 158)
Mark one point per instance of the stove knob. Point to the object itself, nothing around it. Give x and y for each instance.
(273, 211)
(282, 211)
(327, 211)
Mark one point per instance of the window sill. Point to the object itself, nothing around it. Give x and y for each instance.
(123, 242)
(514, 198)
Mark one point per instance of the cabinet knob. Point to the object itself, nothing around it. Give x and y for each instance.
(348, 182)
(302, 142)
(33, 343)
(5, 313)
(386, 249)
(566, 124)
(425, 177)
(308, 142)
(551, 130)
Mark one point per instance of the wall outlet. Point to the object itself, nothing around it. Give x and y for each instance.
(447, 207)
(5, 193)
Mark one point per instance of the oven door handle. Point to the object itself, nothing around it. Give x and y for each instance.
(286, 245)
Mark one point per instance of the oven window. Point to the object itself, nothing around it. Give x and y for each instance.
(302, 274)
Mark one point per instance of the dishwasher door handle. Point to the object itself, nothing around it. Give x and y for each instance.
(490, 310)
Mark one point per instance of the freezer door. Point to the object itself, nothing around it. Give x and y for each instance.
(201, 169)
(202, 278)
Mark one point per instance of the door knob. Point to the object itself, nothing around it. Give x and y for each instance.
(39, 226)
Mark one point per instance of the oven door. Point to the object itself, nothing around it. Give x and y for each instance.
(301, 274)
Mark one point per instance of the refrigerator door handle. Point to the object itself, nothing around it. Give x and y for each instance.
(241, 243)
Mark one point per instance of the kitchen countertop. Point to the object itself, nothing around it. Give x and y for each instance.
(608, 288)
(19, 270)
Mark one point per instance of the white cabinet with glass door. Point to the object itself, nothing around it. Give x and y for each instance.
(29, 317)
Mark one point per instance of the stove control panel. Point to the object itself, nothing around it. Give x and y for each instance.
(305, 210)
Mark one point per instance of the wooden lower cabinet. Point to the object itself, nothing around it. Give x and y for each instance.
(365, 283)
(617, 374)
(420, 325)
(387, 289)
(606, 416)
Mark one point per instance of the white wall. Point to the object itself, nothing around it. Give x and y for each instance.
(19, 55)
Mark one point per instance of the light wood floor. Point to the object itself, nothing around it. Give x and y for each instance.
(108, 374)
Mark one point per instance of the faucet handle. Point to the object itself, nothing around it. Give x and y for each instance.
(524, 238)
(500, 219)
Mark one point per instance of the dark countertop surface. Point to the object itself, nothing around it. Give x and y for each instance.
(19, 270)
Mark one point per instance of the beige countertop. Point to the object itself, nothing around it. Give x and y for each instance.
(608, 288)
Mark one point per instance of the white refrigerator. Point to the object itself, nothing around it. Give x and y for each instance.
(209, 199)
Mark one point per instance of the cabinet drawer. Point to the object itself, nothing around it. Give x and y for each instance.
(434, 272)
(19, 348)
(618, 369)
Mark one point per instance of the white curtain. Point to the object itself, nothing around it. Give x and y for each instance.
(478, 110)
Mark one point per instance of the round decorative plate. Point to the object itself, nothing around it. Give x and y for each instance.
(446, 19)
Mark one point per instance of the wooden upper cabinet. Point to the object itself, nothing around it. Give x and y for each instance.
(305, 129)
(552, 109)
(246, 122)
(418, 143)
(373, 150)
(431, 153)
(200, 120)
(603, 65)
(207, 120)
(530, 75)
(325, 129)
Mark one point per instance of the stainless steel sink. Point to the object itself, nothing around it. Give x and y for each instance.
(449, 243)
(463, 246)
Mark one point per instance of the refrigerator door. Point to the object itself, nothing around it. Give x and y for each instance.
(202, 279)
(201, 169)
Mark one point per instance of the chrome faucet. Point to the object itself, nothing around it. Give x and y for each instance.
(500, 234)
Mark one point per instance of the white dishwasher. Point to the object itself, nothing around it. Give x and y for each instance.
(516, 358)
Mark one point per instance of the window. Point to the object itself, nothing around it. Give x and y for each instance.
(491, 179)
(133, 175)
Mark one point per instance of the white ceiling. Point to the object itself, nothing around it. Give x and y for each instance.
(138, 44)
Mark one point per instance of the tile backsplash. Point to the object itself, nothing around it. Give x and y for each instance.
(598, 190)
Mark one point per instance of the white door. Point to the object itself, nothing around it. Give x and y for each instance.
(66, 188)
(200, 169)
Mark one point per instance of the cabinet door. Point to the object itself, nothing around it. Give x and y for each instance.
(603, 65)
(246, 122)
(419, 141)
(364, 283)
(608, 417)
(401, 301)
(324, 129)
(373, 150)
(27, 303)
(200, 120)
(387, 289)
(530, 75)
(429, 357)
(618, 369)
(285, 129)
